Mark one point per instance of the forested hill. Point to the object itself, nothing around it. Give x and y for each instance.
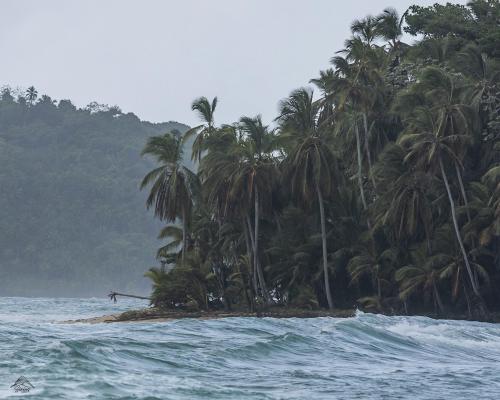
(73, 222)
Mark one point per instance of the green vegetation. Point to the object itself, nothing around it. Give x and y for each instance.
(383, 190)
(72, 218)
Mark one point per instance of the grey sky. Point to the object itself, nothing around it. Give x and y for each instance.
(153, 57)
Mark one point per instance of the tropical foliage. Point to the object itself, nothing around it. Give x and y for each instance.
(381, 189)
(72, 220)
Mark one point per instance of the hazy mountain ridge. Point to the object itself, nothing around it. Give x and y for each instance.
(73, 222)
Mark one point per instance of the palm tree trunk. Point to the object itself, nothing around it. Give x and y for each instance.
(254, 270)
(360, 167)
(323, 239)
(466, 204)
(184, 222)
(250, 258)
(258, 268)
(457, 230)
(360, 174)
(462, 190)
(367, 150)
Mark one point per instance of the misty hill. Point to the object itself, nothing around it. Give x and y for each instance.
(73, 222)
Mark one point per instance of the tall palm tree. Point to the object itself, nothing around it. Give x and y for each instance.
(389, 26)
(365, 29)
(239, 174)
(427, 147)
(406, 202)
(173, 186)
(311, 166)
(31, 95)
(256, 176)
(205, 110)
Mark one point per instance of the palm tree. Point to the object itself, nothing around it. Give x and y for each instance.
(368, 262)
(173, 186)
(240, 179)
(256, 176)
(389, 26)
(311, 165)
(405, 204)
(205, 111)
(422, 277)
(427, 147)
(169, 252)
(31, 95)
(365, 29)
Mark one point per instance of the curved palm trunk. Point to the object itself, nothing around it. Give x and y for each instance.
(466, 204)
(323, 239)
(462, 190)
(457, 230)
(367, 150)
(257, 267)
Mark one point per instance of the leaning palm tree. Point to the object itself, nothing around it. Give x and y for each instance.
(428, 149)
(311, 166)
(173, 186)
(205, 110)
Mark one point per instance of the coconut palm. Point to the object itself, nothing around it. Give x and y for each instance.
(389, 26)
(173, 186)
(311, 166)
(31, 95)
(428, 149)
(240, 174)
(205, 110)
(365, 29)
(422, 277)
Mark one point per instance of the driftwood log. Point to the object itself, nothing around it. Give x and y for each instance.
(112, 296)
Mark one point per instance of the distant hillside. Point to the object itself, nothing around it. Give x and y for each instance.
(72, 220)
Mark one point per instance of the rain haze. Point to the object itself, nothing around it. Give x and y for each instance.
(154, 57)
(250, 199)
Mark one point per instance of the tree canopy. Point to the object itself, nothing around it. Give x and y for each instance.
(72, 218)
(382, 191)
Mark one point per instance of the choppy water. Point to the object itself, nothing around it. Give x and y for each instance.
(366, 357)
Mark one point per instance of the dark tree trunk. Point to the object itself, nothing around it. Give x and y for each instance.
(325, 254)
(184, 222)
(254, 270)
(360, 168)
(258, 268)
(367, 150)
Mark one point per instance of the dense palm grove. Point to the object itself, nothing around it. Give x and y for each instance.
(380, 190)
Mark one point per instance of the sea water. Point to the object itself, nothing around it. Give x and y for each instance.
(364, 357)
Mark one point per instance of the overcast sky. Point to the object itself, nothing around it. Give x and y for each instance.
(153, 57)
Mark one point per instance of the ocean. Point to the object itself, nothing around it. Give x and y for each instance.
(365, 357)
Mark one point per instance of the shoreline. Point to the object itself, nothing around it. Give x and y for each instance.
(157, 315)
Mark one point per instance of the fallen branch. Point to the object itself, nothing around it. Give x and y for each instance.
(112, 296)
